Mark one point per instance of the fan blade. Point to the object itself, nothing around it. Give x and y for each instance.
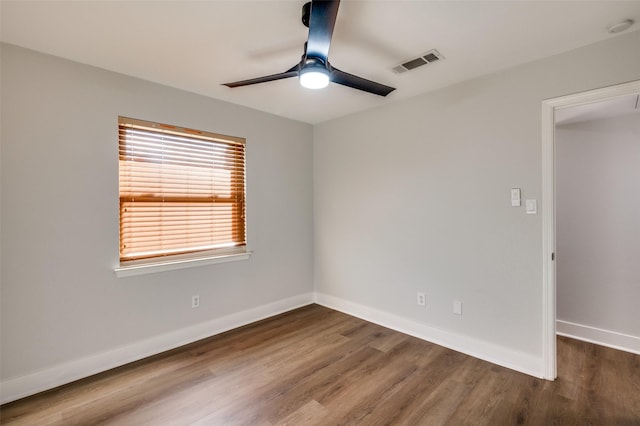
(321, 23)
(293, 72)
(359, 83)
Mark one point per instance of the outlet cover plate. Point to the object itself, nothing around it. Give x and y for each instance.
(422, 299)
(457, 307)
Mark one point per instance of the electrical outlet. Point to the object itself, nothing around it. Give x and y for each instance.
(457, 307)
(195, 301)
(422, 299)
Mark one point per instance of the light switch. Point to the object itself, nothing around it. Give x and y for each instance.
(532, 206)
(515, 197)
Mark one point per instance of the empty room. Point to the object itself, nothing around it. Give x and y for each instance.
(319, 213)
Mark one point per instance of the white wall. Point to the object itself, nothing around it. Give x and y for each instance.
(64, 312)
(598, 228)
(414, 196)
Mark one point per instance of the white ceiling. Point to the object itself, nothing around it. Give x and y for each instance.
(198, 45)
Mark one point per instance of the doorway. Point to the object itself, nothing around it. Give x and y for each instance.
(549, 109)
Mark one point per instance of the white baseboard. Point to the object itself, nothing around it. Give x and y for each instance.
(610, 339)
(496, 354)
(67, 372)
(61, 374)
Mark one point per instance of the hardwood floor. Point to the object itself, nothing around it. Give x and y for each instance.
(315, 366)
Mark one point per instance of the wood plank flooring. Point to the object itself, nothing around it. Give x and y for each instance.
(316, 366)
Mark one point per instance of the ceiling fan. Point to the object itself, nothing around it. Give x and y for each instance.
(314, 69)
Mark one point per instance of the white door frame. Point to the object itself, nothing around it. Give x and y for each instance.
(549, 213)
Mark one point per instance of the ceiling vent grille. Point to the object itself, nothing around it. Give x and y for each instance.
(431, 56)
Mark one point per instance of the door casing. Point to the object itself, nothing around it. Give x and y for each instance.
(549, 354)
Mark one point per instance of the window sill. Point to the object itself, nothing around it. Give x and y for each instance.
(170, 265)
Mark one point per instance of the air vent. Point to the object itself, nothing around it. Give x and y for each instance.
(431, 56)
(415, 63)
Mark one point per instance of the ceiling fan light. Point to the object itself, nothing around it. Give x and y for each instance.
(314, 77)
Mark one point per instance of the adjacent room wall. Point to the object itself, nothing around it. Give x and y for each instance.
(598, 230)
(415, 196)
(64, 313)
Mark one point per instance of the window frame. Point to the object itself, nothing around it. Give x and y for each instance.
(183, 258)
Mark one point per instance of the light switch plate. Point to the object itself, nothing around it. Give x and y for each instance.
(515, 197)
(532, 206)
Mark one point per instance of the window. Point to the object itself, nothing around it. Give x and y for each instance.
(182, 191)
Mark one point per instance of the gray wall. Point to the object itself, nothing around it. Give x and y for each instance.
(598, 223)
(414, 196)
(61, 300)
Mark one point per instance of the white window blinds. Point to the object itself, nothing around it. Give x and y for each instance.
(181, 190)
